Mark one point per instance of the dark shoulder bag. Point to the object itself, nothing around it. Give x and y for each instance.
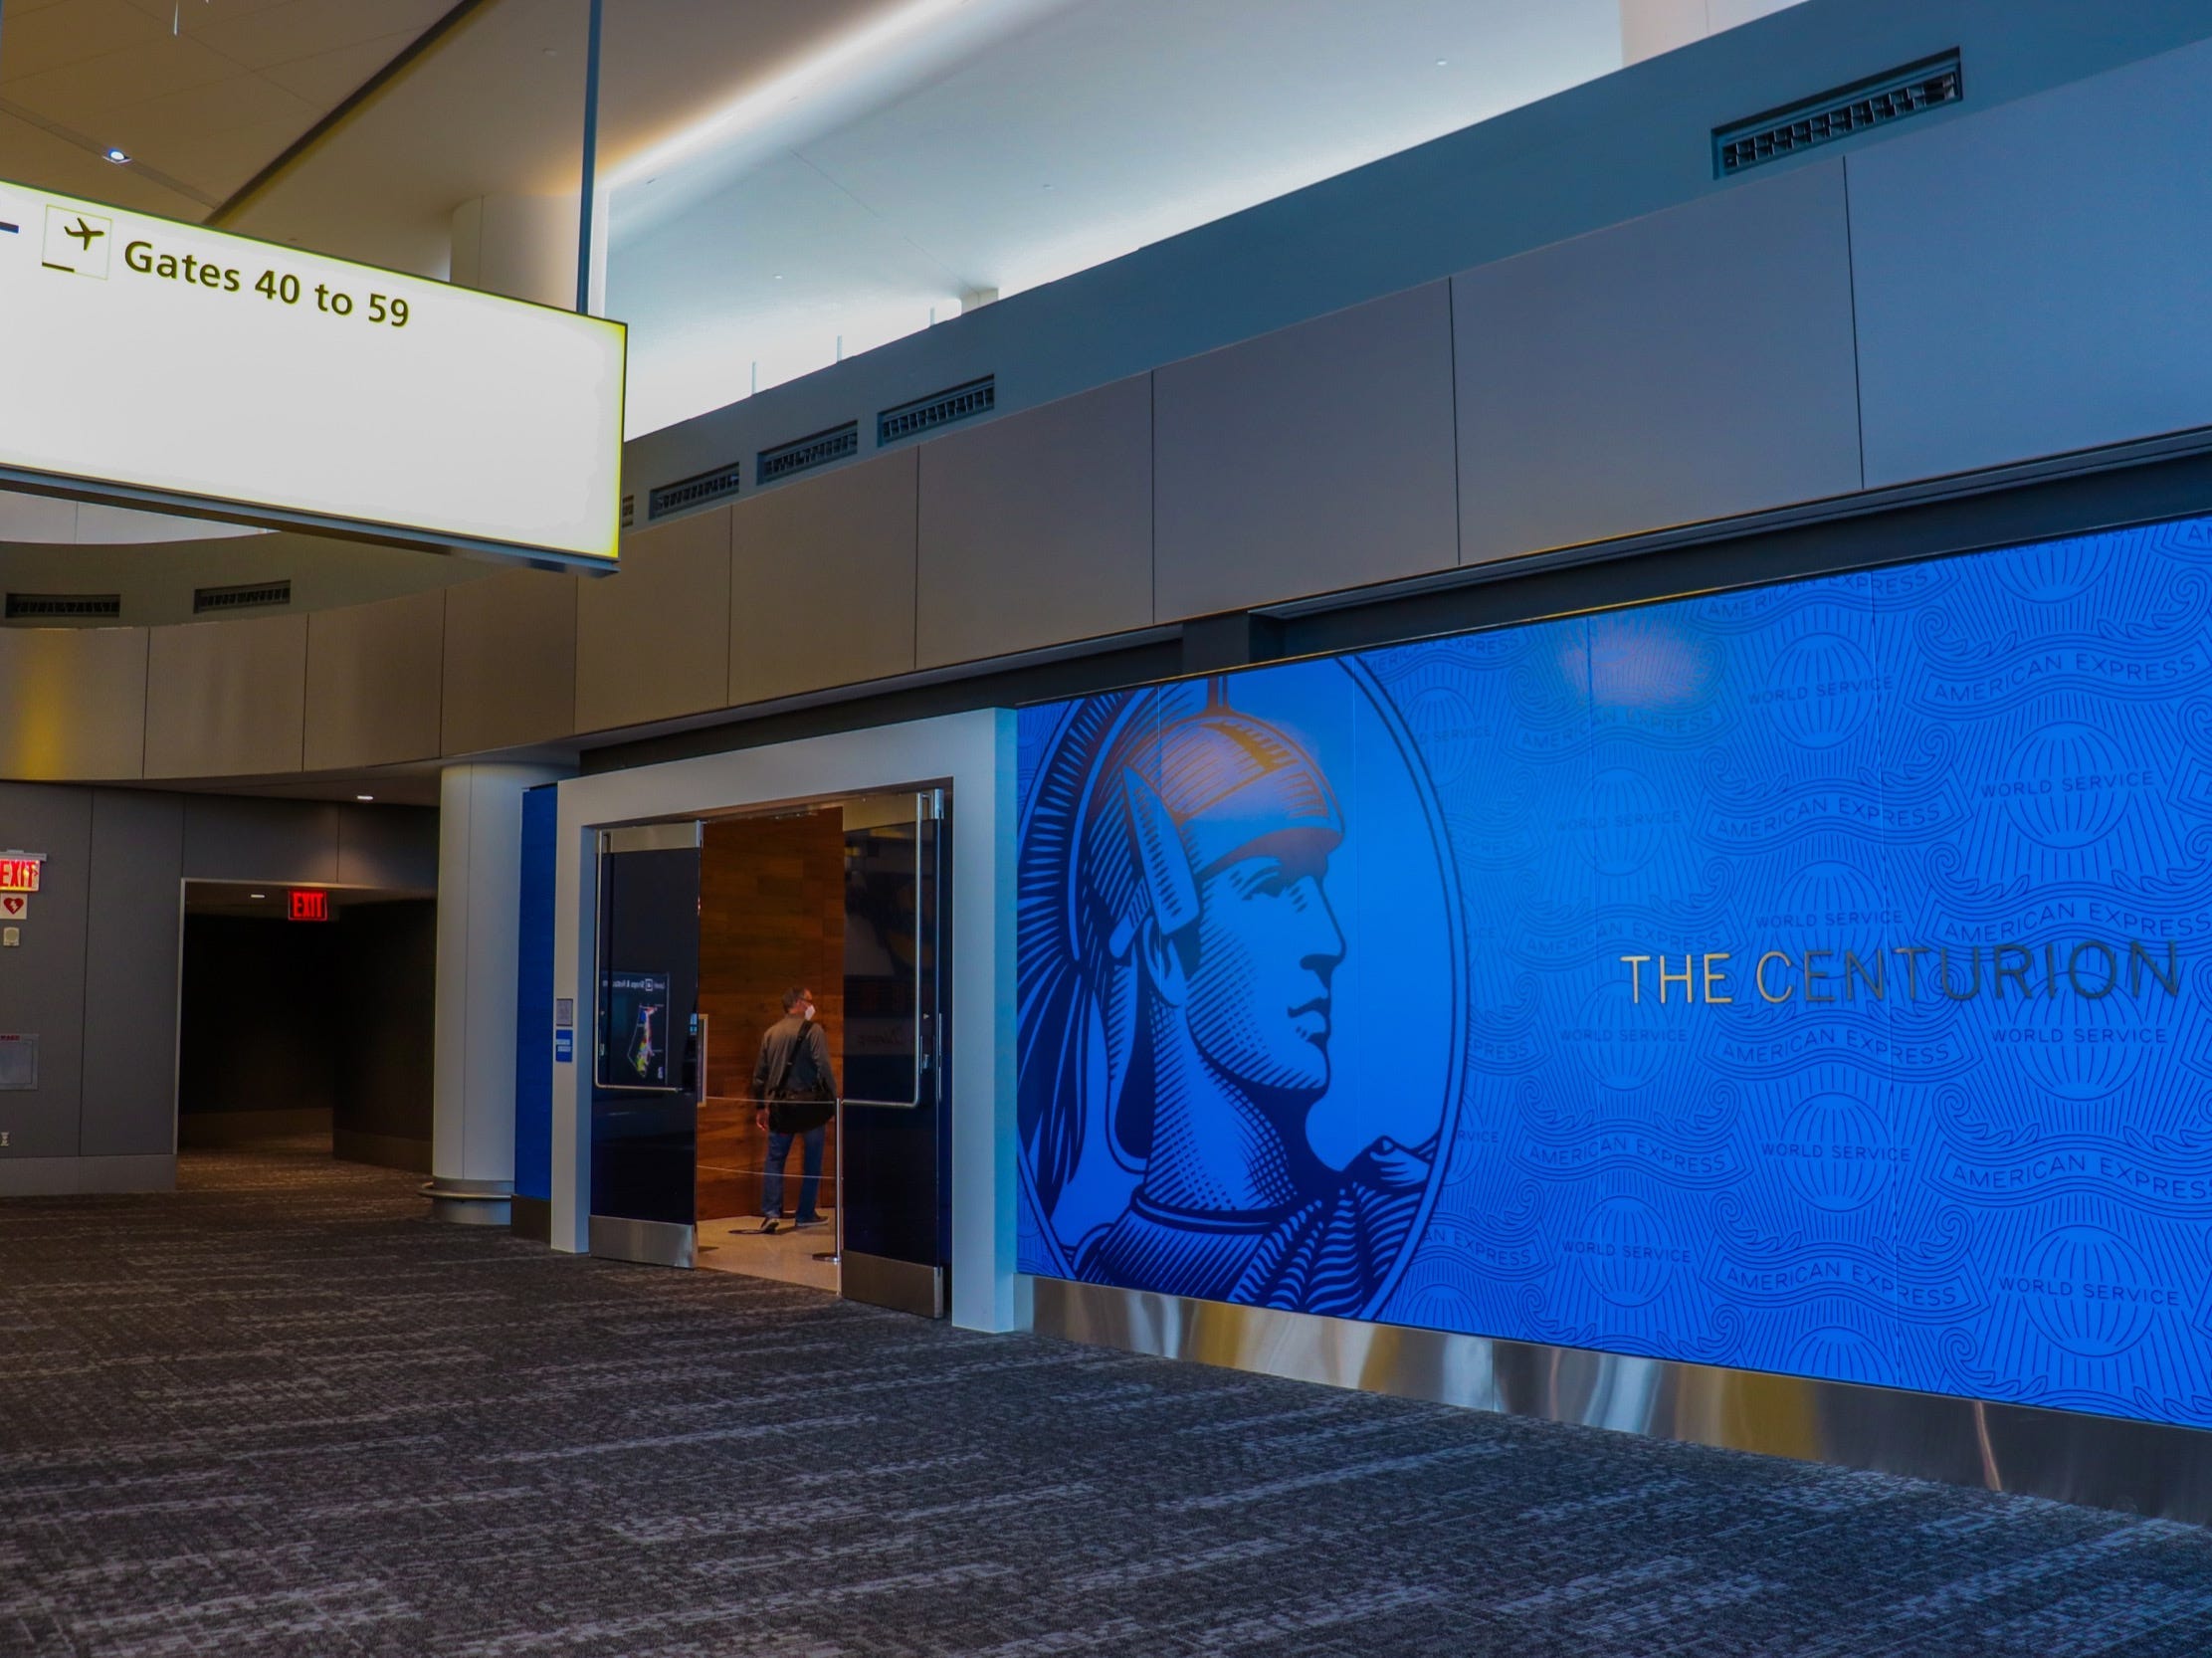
(790, 1114)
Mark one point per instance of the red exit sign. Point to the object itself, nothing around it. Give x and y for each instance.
(19, 872)
(309, 906)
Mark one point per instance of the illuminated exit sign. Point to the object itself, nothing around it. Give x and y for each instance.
(19, 871)
(309, 907)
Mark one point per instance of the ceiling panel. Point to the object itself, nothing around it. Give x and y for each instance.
(327, 77)
(69, 32)
(203, 94)
(30, 151)
(222, 106)
(84, 92)
(306, 28)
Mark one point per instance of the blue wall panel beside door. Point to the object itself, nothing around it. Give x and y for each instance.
(533, 1023)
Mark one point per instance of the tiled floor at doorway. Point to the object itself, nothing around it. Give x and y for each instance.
(786, 1255)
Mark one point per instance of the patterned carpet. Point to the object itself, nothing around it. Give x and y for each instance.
(283, 1413)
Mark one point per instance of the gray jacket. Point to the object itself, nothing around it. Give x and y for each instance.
(811, 1076)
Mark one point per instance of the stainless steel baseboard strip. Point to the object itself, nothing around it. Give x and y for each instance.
(652, 1243)
(2098, 1461)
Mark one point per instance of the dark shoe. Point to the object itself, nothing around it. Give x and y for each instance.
(771, 1225)
(808, 1220)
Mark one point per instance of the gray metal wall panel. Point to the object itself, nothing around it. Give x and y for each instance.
(232, 838)
(1311, 460)
(1038, 528)
(822, 586)
(1689, 365)
(72, 703)
(41, 980)
(510, 661)
(388, 846)
(130, 974)
(227, 699)
(2031, 281)
(373, 678)
(653, 641)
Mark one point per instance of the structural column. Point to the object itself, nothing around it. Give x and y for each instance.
(479, 914)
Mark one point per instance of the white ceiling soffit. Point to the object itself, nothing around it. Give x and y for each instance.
(1079, 130)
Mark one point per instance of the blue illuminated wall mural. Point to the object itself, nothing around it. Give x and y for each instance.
(1807, 979)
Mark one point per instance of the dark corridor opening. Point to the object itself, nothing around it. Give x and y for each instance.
(309, 1035)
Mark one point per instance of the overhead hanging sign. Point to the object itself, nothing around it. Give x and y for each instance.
(157, 364)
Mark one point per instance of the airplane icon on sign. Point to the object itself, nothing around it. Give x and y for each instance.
(77, 242)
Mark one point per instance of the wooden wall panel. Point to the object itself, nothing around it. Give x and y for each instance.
(771, 913)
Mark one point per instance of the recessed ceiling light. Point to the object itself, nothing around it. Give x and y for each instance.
(1441, 62)
(364, 797)
(118, 157)
(257, 895)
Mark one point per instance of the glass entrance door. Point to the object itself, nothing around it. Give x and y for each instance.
(895, 1243)
(648, 1056)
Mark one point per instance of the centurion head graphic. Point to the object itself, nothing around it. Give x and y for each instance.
(1178, 951)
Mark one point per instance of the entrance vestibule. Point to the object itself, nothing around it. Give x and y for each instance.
(705, 928)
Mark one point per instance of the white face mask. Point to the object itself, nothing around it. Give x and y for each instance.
(806, 1010)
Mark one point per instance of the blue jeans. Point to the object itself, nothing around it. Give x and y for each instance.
(810, 1177)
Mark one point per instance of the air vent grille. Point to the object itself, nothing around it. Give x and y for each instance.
(942, 408)
(252, 596)
(56, 607)
(1926, 85)
(805, 454)
(629, 511)
(693, 491)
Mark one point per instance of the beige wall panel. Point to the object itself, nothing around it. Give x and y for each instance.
(226, 699)
(822, 587)
(1037, 529)
(374, 673)
(1310, 460)
(1690, 365)
(510, 661)
(653, 641)
(72, 703)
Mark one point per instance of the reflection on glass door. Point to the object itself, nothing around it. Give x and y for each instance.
(646, 1062)
(895, 1242)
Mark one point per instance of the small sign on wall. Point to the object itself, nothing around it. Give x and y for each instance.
(14, 907)
(19, 1061)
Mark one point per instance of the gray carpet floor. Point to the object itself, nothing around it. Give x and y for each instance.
(281, 1413)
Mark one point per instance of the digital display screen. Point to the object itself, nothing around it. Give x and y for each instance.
(634, 1030)
(156, 364)
(1807, 978)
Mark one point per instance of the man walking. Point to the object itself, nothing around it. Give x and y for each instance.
(795, 1093)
